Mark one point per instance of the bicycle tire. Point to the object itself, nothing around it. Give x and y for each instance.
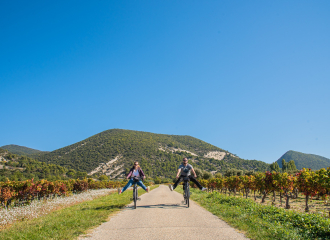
(184, 193)
(187, 192)
(135, 195)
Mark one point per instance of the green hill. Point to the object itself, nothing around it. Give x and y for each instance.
(303, 160)
(112, 152)
(20, 168)
(20, 150)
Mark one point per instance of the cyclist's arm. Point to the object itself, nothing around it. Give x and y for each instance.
(193, 171)
(129, 175)
(178, 174)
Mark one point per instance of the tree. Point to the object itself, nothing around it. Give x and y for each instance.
(234, 183)
(71, 173)
(307, 182)
(274, 167)
(323, 181)
(269, 185)
(198, 172)
(249, 173)
(284, 165)
(284, 183)
(248, 183)
(207, 175)
(292, 165)
(233, 172)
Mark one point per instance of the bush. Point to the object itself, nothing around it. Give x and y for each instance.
(103, 178)
(233, 172)
(199, 173)
(218, 175)
(207, 175)
(249, 173)
(166, 180)
(157, 180)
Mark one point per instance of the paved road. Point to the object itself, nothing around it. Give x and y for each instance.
(161, 215)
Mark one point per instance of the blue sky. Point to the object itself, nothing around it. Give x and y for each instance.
(251, 77)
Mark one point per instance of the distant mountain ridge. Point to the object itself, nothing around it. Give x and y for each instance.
(20, 150)
(303, 160)
(20, 168)
(112, 152)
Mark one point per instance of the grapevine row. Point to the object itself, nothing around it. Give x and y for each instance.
(21, 192)
(306, 181)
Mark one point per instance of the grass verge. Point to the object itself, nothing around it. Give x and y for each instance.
(70, 222)
(260, 221)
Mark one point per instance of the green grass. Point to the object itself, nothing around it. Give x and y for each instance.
(70, 222)
(260, 221)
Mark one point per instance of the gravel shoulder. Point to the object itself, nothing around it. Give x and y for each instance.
(161, 215)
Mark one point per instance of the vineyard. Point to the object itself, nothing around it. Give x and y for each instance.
(32, 199)
(269, 184)
(24, 192)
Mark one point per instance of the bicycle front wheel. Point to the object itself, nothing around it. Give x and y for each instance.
(135, 196)
(188, 194)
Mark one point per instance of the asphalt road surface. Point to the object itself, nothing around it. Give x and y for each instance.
(161, 215)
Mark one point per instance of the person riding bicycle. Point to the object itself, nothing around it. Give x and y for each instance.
(184, 171)
(136, 175)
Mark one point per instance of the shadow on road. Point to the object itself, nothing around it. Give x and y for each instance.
(165, 206)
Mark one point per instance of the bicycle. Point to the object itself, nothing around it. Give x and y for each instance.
(186, 190)
(135, 191)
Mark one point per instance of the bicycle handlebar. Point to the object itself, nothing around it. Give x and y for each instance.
(136, 179)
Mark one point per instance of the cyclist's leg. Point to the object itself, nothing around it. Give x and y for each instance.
(196, 182)
(140, 183)
(130, 182)
(177, 182)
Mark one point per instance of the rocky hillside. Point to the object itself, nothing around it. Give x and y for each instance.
(303, 160)
(112, 152)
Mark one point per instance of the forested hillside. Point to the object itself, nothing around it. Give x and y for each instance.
(20, 168)
(20, 150)
(112, 152)
(303, 160)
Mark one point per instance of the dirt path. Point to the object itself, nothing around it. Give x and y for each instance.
(161, 215)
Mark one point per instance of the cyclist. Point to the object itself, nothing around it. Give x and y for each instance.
(136, 174)
(184, 171)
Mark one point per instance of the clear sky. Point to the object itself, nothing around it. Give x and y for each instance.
(251, 77)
